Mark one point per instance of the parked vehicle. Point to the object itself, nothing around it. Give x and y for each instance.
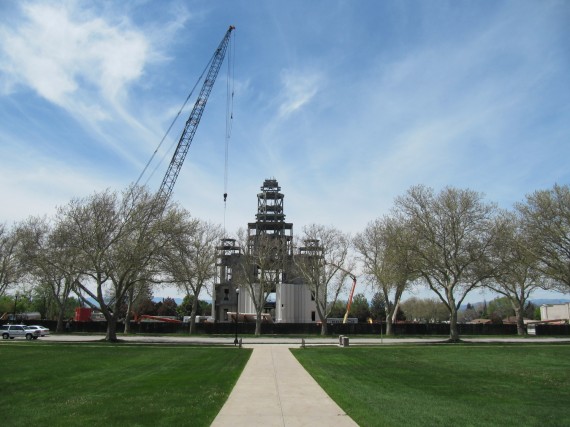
(44, 332)
(13, 331)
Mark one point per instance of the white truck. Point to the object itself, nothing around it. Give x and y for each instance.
(13, 331)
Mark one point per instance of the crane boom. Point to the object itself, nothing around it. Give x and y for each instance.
(193, 120)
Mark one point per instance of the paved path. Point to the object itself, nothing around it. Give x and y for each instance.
(275, 390)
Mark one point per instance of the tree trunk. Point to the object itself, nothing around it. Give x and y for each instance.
(60, 320)
(193, 316)
(322, 318)
(111, 329)
(127, 329)
(324, 329)
(389, 328)
(521, 330)
(192, 328)
(453, 329)
(258, 325)
(61, 304)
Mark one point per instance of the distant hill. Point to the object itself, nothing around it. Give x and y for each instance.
(539, 302)
(155, 300)
(159, 299)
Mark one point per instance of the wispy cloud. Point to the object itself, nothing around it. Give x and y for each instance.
(59, 53)
(81, 60)
(299, 87)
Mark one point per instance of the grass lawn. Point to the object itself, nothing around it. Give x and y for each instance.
(115, 384)
(446, 385)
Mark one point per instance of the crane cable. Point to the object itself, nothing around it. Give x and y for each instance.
(170, 128)
(229, 117)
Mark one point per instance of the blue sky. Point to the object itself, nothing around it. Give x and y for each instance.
(346, 103)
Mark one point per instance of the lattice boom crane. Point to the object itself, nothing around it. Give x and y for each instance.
(192, 123)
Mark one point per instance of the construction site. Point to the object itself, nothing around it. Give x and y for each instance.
(268, 260)
(258, 277)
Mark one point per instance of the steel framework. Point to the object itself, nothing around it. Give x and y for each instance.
(193, 120)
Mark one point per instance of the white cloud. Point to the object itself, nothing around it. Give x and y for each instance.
(81, 60)
(34, 185)
(449, 113)
(56, 51)
(299, 88)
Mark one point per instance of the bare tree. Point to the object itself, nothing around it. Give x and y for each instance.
(517, 274)
(454, 233)
(135, 295)
(384, 248)
(118, 240)
(324, 263)
(50, 261)
(10, 271)
(260, 269)
(546, 219)
(189, 260)
(429, 310)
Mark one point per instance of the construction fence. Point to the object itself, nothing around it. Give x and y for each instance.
(308, 329)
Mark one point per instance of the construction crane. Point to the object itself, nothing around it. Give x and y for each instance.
(192, 123)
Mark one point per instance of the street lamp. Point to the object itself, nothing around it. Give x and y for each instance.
(237, 315)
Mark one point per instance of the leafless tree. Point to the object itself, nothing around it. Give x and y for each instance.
(260, 269)
(324, 263)
(454, 233)
(517, 274)
(546, 219)
(386, 257)
(189, 260)
(49, 260)
(429, 310)
(10, 269)
(117, 239)
(135, 295)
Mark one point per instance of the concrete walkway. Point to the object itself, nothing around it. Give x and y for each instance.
(275, 390)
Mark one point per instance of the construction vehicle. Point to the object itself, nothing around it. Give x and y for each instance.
(162, 319)
(87, 314)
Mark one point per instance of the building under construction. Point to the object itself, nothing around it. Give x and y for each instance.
(262, 267)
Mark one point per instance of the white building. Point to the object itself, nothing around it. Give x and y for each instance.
(294, 304)
(552, 312)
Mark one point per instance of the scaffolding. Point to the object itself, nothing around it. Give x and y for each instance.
(224, 298)
(268, 252)
(270, 229)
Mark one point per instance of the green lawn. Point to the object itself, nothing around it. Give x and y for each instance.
(107, 385)
(446, 385)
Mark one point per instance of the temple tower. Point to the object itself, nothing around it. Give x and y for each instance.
(271, 229)
(269, 258)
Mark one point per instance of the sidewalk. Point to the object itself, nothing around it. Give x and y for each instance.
(275, 390)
